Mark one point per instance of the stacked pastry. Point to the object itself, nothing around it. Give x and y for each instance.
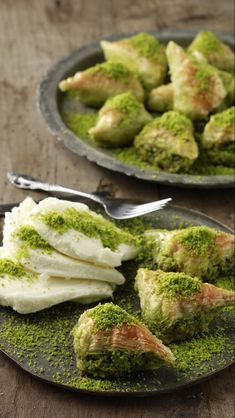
(200, 83)
(175, 304)
(57, 251)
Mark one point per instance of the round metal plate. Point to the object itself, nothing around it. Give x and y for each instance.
(49, 101)
(163, 380)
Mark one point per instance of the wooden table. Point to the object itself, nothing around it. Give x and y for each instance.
(33, 35)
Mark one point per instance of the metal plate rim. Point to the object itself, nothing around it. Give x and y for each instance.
(137, 394)
(181, 386)
(48, 107)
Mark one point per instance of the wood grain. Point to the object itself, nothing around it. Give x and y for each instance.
(33, 35)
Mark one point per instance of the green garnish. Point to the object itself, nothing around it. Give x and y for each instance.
(178, 284)
(109, 316)
(193, 353)
(32, 239)
(206, 42)
(81, 123)
(125, 102)
(224, 119)
(198, 241)
(147, 45)
(90, 225)
(203, 76)
(112, 70)
(45, 338)
(11, 268)
(173, 121)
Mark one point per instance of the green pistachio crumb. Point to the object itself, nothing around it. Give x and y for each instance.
(88, 224)
(110, 316)
(120, 363)
(193, 353)
(113, 70)
(175, 122)
(81, 123)
(203, 76)
(198, 240)
(32, 239)
(224, 119)
(44, 344)
(178, 284)
(147, 45)
(226, 283)
(207, 42)
(11, 268)
(89, 383)
(126, 103)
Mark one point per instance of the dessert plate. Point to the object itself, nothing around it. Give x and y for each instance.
(42, 345)
(54, 105)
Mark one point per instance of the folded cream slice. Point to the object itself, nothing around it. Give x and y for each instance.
(28, 292)
(76, 231)
(46, 260)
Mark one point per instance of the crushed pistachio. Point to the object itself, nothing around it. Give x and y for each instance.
(173, 121)
(212, 170)
(225, 283)
(145, 258)
(193, 353)
(177, 284)
(194, 324)
(198, 240)
(136, 226)
(206, 42)
(11, 268)
(32, 239)
(89, 383)
(113, 70)
(147, 45)
(81, 123)
(120, 362)
(224, 119)
(125, 102)
(202, 77)
(129, 155)
(110, 316)
(43, 344)
(88, 224)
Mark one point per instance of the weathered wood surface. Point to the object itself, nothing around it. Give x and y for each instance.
(33, 35)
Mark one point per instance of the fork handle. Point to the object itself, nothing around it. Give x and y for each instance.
(29, 183)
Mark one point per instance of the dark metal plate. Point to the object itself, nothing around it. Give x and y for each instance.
(59, 320)
(50, 100)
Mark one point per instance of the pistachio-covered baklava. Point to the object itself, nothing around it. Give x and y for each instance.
(218, 138)
(97, 84)
(176, 306)
(120, 120)
(198, 88)
(207, 47)
(168, 142)
(110, 342)
(141, 53)
(198, 250)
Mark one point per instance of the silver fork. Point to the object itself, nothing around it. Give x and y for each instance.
(115, 209)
